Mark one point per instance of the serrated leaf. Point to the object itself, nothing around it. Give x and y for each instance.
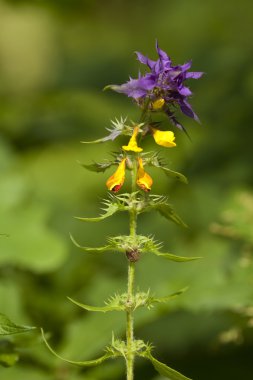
(118, 128)
(91, 249)
(99, 166)
(88, 363)
(163, 369)
(170, 256)
(165, 299)
(171, 173)
(167, 211)
(102, 309)
(111, 209)
(7, 327)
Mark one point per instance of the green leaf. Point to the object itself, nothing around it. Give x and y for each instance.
(103, 309)
(163, 369)
(99, 166)
(91, 249)
(170, 256)
(167, 211)
(155, 161)
(88, 363)
(171, 173)
(7, 327)
(118, 128)
(151, 300)
(111, 209)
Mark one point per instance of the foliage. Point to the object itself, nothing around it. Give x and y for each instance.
(50, 75)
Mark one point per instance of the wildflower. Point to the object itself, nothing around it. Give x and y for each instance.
(132, 145)
(115, 182)
(164, 138)
(144, 181)
(163, 87)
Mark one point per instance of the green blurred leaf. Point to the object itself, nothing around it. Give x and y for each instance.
(91, 249)
(152, 299)
(88, 363)
(170, 256)
(99, 166)
(163, 369)
(109, 307)
(7, 327)
(118, 128)
(111, 209)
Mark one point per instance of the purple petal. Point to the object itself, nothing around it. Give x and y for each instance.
(145, 60)
(185, 91)
(165, 61)
(186, 66)
(136, 88)
(194, 74)
(187, 109)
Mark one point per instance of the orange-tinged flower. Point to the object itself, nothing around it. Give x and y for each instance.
(164, 138)
(144, 181)
(115, 182)
(132, 145)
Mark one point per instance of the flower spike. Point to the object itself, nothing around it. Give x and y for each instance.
(144, 181)
(132, 145)
(164, 138)
(115, 182)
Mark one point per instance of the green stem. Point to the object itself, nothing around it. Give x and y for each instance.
(130, 288)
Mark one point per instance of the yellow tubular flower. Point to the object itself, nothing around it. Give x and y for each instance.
(158, 104)
(164, 138)
(144, 181)
(115, 182)
(132, 145)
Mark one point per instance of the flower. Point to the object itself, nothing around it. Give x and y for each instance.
(164, 138)
(163, 87)
(132, 145)
(115, 182)
(144, 181)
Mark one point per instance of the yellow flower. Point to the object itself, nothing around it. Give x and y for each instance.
(158, 104)
(132, 145)
(115, 182)
(144, 181)
(164, 138)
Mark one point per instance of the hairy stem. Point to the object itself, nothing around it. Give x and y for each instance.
(130, 288)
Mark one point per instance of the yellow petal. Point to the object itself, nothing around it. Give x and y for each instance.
(132, 145)
(144, 181)
(164, 138)
(115, 182)
(158, 104)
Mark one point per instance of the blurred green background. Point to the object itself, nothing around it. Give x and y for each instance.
(55, 57)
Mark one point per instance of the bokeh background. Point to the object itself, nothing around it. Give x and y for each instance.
(55, 58)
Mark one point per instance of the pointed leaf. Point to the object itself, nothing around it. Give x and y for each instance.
(102, 309)
(91, 249)
(88, 363)
(7, 327)
(99, 166)
(112, 209)
(167, 211)
(167, 298)
(173, 174)
(164, 370)
(170, 256)
(118, 128)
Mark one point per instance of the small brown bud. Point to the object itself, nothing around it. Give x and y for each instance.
(133, 255)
